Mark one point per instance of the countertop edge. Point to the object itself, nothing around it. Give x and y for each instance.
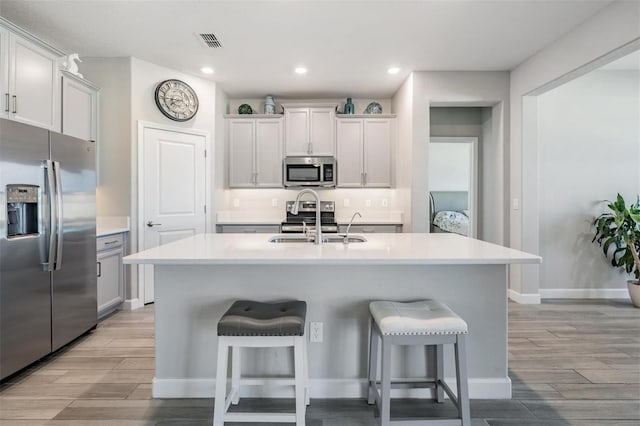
(112, 231)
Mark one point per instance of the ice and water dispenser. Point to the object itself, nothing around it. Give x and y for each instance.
(22, 210)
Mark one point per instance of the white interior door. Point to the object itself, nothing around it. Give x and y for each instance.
(174, 190)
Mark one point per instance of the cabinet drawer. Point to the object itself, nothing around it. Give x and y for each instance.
(248, 229)
(110, 241)
(372, 229)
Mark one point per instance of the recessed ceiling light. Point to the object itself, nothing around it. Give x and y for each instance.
(301, 70)
(206, 70)
(393, 70)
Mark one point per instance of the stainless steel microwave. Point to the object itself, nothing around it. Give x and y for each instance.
(310, 171)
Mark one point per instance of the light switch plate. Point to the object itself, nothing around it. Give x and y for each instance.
(367, 203)
(236, 202)
(385, 202)
(346, 202)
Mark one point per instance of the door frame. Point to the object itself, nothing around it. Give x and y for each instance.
(142, 126)
(473, 186)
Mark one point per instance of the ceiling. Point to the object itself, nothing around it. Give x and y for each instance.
(346, 45)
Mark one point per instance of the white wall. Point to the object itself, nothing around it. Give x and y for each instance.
(615, 27)
(113, 76)
(402, 105)
(127, 96)
(589, 140)
(451, 88)
(449, 166)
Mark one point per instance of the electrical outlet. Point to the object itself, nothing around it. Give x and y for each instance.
(385, 202)
(316, 332)
(274, 202)
(367, 203)
(236, 202)
(346, 202)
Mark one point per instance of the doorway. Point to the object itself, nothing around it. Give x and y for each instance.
(453, 185)
(172, 173)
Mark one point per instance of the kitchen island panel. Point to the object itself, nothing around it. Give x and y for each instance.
(190, 299)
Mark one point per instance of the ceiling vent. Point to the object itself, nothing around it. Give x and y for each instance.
(210, 40)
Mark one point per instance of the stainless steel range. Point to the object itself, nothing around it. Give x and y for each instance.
(305, 220)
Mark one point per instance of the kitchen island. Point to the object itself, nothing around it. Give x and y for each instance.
(197, 279)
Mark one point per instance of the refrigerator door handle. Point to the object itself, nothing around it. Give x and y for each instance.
(51, 204)
(59, 216)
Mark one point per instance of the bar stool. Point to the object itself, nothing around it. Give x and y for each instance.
(425, 322)
(261, 325)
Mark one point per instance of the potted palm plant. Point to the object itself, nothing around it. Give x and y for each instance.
(618, 233)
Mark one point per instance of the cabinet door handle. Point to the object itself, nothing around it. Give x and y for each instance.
(15, 104)
(6, 102)
(108, 243)
(364, 179)
(309, 148)
(99, 269)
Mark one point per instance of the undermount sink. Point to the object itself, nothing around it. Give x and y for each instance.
(325, 239)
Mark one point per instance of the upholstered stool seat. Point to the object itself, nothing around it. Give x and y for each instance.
(249, 324)
(416, 318)
(248, 318)
(425, 323)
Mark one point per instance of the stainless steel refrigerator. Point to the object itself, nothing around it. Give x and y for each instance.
(47, 242)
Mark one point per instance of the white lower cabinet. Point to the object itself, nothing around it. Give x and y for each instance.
(110, 273)
(248, 229)
(371, 229)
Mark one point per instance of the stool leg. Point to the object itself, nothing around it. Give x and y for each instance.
(301, 403)
(461, 377)
(235, 374)
(307, 395)
(221, 382)
(439, 372)
(373, 362)
(385, 397)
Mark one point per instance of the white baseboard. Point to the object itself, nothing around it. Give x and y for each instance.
(524, 298)
(584, 293)
(479, 388)
(131, 304)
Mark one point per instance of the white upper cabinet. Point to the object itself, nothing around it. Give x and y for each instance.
(297, 131)
(5, 102)
(322, 131)
(350, 159)
(364, 152)
(255, 152)
(309, 130)
(377, 152)
(30, 75)
(79, 108)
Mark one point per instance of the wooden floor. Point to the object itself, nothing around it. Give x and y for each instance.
(571, 363)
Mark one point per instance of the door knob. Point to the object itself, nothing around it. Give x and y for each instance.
(151, 224)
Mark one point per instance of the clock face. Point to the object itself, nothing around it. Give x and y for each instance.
(177, 100)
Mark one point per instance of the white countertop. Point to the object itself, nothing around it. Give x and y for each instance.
(399, 249)
(109, 225)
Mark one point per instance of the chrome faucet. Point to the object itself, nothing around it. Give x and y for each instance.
(346, 235)
(294, 211)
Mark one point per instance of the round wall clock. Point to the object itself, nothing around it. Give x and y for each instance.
(177, 100)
